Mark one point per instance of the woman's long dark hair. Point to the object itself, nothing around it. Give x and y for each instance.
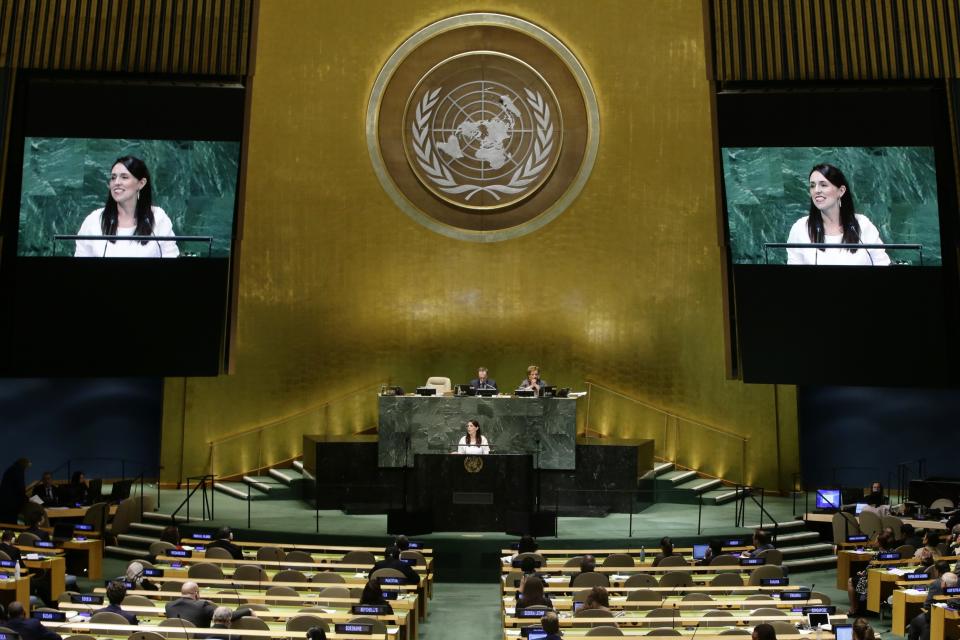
(851, 228)
(144, 212)
(478, 438)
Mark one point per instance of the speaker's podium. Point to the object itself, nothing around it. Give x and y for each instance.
(493, 492)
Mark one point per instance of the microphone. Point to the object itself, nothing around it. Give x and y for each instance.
(664, 602)
(850, 226)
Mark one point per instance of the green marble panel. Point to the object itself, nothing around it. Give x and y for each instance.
(64, 179)
(543, 427)
(766, 192)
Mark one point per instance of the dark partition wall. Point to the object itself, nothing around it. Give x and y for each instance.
(852, 436)
(51, 421)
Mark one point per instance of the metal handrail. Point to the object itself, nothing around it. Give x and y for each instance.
(190, 492)
(743, 440)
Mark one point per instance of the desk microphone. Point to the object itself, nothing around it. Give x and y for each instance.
(663, 602)
(853, 228)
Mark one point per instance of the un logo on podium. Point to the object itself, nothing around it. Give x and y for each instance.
(473, 464)
(467, 135)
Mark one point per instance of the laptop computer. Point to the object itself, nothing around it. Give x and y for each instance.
(700, 551)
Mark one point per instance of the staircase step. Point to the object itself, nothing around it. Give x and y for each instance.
(266, 484)
(286, 476)
(719, 496)
(239, 490)
(147, 529)
(298, 465)
(796, 537)
(161, 518)
(810, 564)
(806, 550)
(659, 468)
(781, 526)
(127, 540)
(700, 485)
(125, 552)
(675, 478)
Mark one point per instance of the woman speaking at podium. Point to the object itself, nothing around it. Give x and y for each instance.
(474, 443)
(832, 219)
(128, 211)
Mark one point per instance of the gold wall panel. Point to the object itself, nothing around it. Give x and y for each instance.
(339, 290)
(836, 39)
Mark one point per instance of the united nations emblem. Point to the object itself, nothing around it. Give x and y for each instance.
(484, 130)
(467, 135)
(473, 464)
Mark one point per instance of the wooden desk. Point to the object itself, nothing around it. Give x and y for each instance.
(711, 634)
(92, 551)
(845, 559)
(944, 623)
(880, 586)
(55, 513)
(906, 606)
(733, 603)
(683, 618)
(124, 630)
(309, 548)
(155, 614)
(57, 566)
(19, 590)
(917, 524)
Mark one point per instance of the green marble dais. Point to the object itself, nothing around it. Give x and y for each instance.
(543, 427)
(766, 192)
(64, 179)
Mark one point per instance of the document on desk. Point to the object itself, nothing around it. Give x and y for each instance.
(897, 572)
(915, 592)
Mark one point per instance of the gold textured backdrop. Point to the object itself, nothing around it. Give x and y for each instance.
(339, 290)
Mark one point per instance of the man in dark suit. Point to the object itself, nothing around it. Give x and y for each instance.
(116, 592)
(761, 543)
(224, 540)
(482, 381)
(190, 607)
(28, 628)
(391, 560)
(46, 491)
(919, 627)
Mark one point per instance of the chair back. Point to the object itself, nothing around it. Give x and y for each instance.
(660, 612)
(674, 561)
(727, 580)
(441, 384)
(725, 560)
(26, 539)
(772, 556)
(205, 571)
(290, 575)
(96, 515)
(782, 628)
(764, 571)
(734, 632)
(333, 592)
(328, 577)
(358, 557)
(304, 621)
(591, 579)
(822, 597)
(766, 612)
(251, 572)
(943, 504)
(870, 523)
(894, 523)
(108, 617)
(844, 524)
(663, 631)
(619, 560)
(157, 548)
(282, 591)
(142, 635)
(717, 613)
(643, 599)
(574, 561)
(218, 553)
(387, 572)
(137, 601)
(676, 579)
(605, 630)
(250, 622)
(271, 554)
(591, 613)
(906, 550)
(419, 559)
(526, 554)
(378, 626)
(641, 580)
(299, 556)
(697, 597)
(127, 510)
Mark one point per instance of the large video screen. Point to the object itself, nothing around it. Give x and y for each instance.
(839, 217)
(775, 195)
(103, 171)
(70, 183)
